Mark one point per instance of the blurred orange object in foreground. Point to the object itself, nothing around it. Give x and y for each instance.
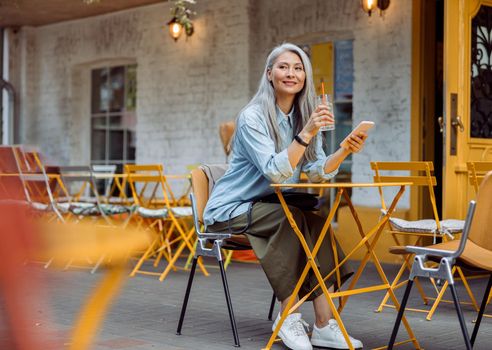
(17, 240)
(24, 236)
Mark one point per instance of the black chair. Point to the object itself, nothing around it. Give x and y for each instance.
(211, 244)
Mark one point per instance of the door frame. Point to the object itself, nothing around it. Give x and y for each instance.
(458, 15)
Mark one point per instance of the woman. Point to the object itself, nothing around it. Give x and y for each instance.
(277, 136)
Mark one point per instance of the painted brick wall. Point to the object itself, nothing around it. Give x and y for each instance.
(186, 89)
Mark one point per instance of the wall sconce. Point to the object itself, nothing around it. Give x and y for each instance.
(175, 29)
(181, 19)
(370, 5)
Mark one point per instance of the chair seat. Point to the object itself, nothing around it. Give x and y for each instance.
(450, 226)
(39, 206)
(34, 205)
(63, 207)
(473, 255)
(114, 209)
(91, 209)
(152, 213)
(182, 211)
(119, 200)
(110, 200)
(83, 208)
(163, 213)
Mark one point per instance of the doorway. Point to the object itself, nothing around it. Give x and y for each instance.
(432, 41)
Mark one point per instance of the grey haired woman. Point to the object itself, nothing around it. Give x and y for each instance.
(277, 137)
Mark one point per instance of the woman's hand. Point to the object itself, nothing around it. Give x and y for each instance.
(354, 143)
(320, 117)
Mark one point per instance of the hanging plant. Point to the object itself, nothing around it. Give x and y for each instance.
(181, 14)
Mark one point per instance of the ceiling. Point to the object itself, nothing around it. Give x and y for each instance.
(17, 13)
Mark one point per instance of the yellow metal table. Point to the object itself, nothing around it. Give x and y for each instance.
(368, 240)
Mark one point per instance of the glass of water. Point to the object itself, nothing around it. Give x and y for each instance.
(326, 99)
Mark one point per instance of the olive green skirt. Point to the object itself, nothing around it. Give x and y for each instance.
(280, 252)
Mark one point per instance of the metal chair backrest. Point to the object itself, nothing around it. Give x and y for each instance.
(75, 180)
(420, 174)
(106, 172)
(146, 185)
(152, 181)
(35, 180)
(477, 171)
(481, 228)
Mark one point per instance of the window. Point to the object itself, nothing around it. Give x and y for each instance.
(113, 115)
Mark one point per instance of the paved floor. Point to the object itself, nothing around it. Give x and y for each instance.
(145, 314)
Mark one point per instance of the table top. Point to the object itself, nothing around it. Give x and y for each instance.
(341, 184)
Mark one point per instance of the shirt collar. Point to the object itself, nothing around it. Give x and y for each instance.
(284, 118)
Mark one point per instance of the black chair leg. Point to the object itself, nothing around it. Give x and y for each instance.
(480, 313)
(400, 314)
(187, 295)
(229, 304)
(460, 316)
(272, 306)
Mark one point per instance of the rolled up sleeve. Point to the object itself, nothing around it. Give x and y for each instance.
(315, 170)
(259, 148)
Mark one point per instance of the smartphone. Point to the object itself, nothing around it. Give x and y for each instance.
(364, 125)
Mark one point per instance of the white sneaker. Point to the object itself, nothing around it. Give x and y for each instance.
(331, 336)
(293, 333)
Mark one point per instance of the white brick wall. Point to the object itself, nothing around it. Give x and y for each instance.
(186, 89)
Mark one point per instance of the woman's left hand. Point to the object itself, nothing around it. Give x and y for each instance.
(355, 143)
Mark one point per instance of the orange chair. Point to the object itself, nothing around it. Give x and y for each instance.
(226, 131)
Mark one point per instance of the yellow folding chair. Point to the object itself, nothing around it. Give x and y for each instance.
(420, 174)
(157, 211)
(76, 183)
(476, 172)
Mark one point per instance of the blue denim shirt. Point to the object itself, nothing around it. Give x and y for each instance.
(255, 165)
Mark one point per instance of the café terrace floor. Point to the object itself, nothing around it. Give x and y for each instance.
(145, 314)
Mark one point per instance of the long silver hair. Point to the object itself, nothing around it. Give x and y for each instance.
(304, 102)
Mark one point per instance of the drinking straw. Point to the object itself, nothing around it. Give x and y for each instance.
(323, 96)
